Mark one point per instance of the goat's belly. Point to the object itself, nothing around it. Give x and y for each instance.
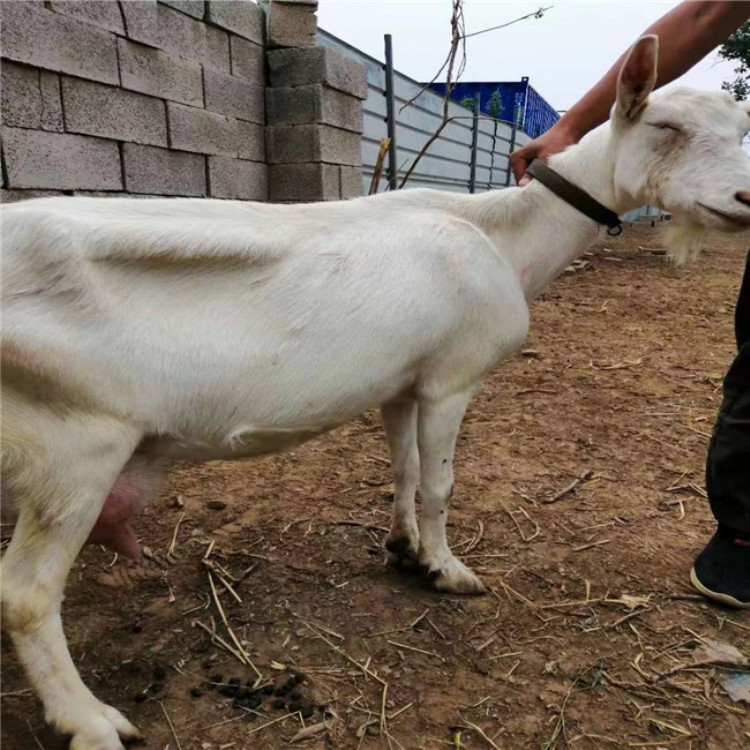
(241, 443)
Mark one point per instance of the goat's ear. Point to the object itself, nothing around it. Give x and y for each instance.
(637, 77)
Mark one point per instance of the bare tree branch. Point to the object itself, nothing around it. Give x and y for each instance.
(457, 29)
(539, 13)
(454, 71)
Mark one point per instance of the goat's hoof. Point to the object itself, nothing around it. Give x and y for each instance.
(453, 577)
(401, 551)
(98, 734)
(128, 732)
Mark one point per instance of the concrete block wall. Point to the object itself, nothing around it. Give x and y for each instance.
(137, 97)
(313, 109)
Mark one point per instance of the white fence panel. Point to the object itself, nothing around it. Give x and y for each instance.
(447, 163)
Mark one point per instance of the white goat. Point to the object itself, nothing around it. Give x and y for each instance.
(139, 331)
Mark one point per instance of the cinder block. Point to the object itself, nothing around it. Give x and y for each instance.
(13, 196)
(164, 28)
(237, 179)
(351, 182)
(35, 159)
(313, 104)
(252, 141)
(233, 96)
(289, 144)
(142, 21)
(341, 110)
(31, 34)
(303, 183)
(194, 8)
(217, 49)
(243, 17)
(179, 34)
(248, 60)
(292, 23)
(156, 25)
(30, 98)
(104, 13)
(299, 67)
(161, 171)
(109, 112)
(204, 132)
(154, 72)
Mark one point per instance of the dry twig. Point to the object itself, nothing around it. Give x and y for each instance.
(512, 514)
(584, 477)
(482, 733)
(245, 656)
(171, 726)
(173, 543)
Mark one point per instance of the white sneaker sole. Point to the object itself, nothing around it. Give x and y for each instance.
(730, 601)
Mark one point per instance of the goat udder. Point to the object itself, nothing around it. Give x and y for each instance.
(113, 528)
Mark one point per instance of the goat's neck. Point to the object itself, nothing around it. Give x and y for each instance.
(539, 233)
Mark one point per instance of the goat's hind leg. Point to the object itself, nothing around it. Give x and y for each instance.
(60, 493)
(400, 421)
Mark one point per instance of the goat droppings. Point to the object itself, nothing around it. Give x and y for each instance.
(684, 241)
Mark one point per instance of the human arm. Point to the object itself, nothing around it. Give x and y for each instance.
(686, 35)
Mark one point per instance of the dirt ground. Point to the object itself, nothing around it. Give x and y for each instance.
(587, 638)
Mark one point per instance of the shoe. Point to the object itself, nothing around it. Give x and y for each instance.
(722, 571)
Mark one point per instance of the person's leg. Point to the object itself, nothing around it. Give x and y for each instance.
(722, 570)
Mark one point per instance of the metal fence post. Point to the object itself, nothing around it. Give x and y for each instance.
(474, 141)
(390, 114)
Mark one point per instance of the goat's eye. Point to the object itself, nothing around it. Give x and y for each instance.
(666, 126)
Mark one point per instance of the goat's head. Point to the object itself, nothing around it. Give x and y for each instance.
(680, 150)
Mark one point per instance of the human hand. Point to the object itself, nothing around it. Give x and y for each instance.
(556, 139)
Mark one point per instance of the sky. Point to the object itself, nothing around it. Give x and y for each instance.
(563, 54)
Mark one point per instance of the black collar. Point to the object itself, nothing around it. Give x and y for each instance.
(575, 197)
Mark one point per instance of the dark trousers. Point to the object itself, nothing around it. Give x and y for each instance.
(728, 465)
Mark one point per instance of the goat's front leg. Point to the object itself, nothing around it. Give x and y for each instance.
(58, 506)
(438, 426)
(400, 421)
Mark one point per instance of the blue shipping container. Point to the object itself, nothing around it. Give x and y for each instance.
(519, 103)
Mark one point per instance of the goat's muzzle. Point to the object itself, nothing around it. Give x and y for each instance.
(730, 221)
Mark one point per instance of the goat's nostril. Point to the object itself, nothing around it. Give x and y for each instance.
(743, 196)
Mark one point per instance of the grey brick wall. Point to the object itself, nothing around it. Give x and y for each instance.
(41, 37)
(30, 98)
(243, 18)
(154, 72)
(313, 113)
(218, 98)
(248, 60)
(36, 159)
(230, 95)
(302, 66)
(141, 97)
(161, 171)
(94, 109)
(237, 178)
(314, 104)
